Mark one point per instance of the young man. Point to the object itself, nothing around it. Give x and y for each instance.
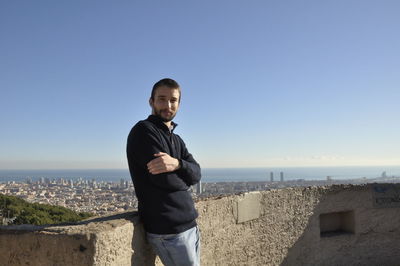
(162, 171)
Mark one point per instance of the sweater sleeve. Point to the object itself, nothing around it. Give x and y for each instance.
(190, 170)
(142, 144)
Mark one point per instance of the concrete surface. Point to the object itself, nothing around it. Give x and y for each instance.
(287, 232)
(247, 207)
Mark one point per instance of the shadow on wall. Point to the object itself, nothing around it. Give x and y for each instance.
(348, 228)
(142, 252)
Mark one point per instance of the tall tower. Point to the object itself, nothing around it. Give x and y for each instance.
(271, 176)
(281, 174)
(199, 188)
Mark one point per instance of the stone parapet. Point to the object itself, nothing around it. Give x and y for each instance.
(333, 225)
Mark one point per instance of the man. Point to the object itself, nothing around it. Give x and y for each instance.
(162, 172)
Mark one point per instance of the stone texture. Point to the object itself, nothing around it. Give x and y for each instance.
(112, 240)
(287, 232)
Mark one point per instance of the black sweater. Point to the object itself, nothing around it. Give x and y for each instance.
(165, 204)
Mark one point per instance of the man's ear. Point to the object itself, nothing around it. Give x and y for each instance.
(151, 102)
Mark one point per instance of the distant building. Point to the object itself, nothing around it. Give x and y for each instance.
(199, 188)
(281, 175)
(271, 176)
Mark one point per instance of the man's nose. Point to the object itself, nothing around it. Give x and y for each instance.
(169, 104)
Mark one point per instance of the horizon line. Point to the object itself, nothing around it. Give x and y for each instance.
(234, 167)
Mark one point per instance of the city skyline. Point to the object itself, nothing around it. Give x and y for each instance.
(264, 84)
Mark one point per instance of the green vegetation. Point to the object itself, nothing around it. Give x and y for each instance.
(37, 214)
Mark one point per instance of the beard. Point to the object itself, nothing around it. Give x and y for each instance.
(164, 118)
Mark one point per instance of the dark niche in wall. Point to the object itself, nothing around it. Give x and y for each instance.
(336, 223)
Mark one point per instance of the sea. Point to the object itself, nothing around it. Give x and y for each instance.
(214, 174)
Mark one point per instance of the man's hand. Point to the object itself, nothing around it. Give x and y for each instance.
(162, 164)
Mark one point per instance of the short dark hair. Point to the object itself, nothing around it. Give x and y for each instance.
(166, 82)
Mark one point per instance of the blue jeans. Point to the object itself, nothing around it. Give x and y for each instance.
(181, 249)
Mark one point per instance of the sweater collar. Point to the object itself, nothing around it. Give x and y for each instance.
(160, 124)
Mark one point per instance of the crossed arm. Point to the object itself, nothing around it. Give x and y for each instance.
(145, 151)
(163, 163)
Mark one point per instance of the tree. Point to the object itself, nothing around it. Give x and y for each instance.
(38, 214)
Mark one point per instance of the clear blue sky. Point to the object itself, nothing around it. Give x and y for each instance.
(265, 83)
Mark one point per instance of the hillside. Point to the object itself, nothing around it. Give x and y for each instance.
(24, 212)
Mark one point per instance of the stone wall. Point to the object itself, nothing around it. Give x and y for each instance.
(337, 225)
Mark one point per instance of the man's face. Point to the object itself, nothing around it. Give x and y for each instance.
(165, 103)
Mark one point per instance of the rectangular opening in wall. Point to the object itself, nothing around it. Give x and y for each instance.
(336, 223)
